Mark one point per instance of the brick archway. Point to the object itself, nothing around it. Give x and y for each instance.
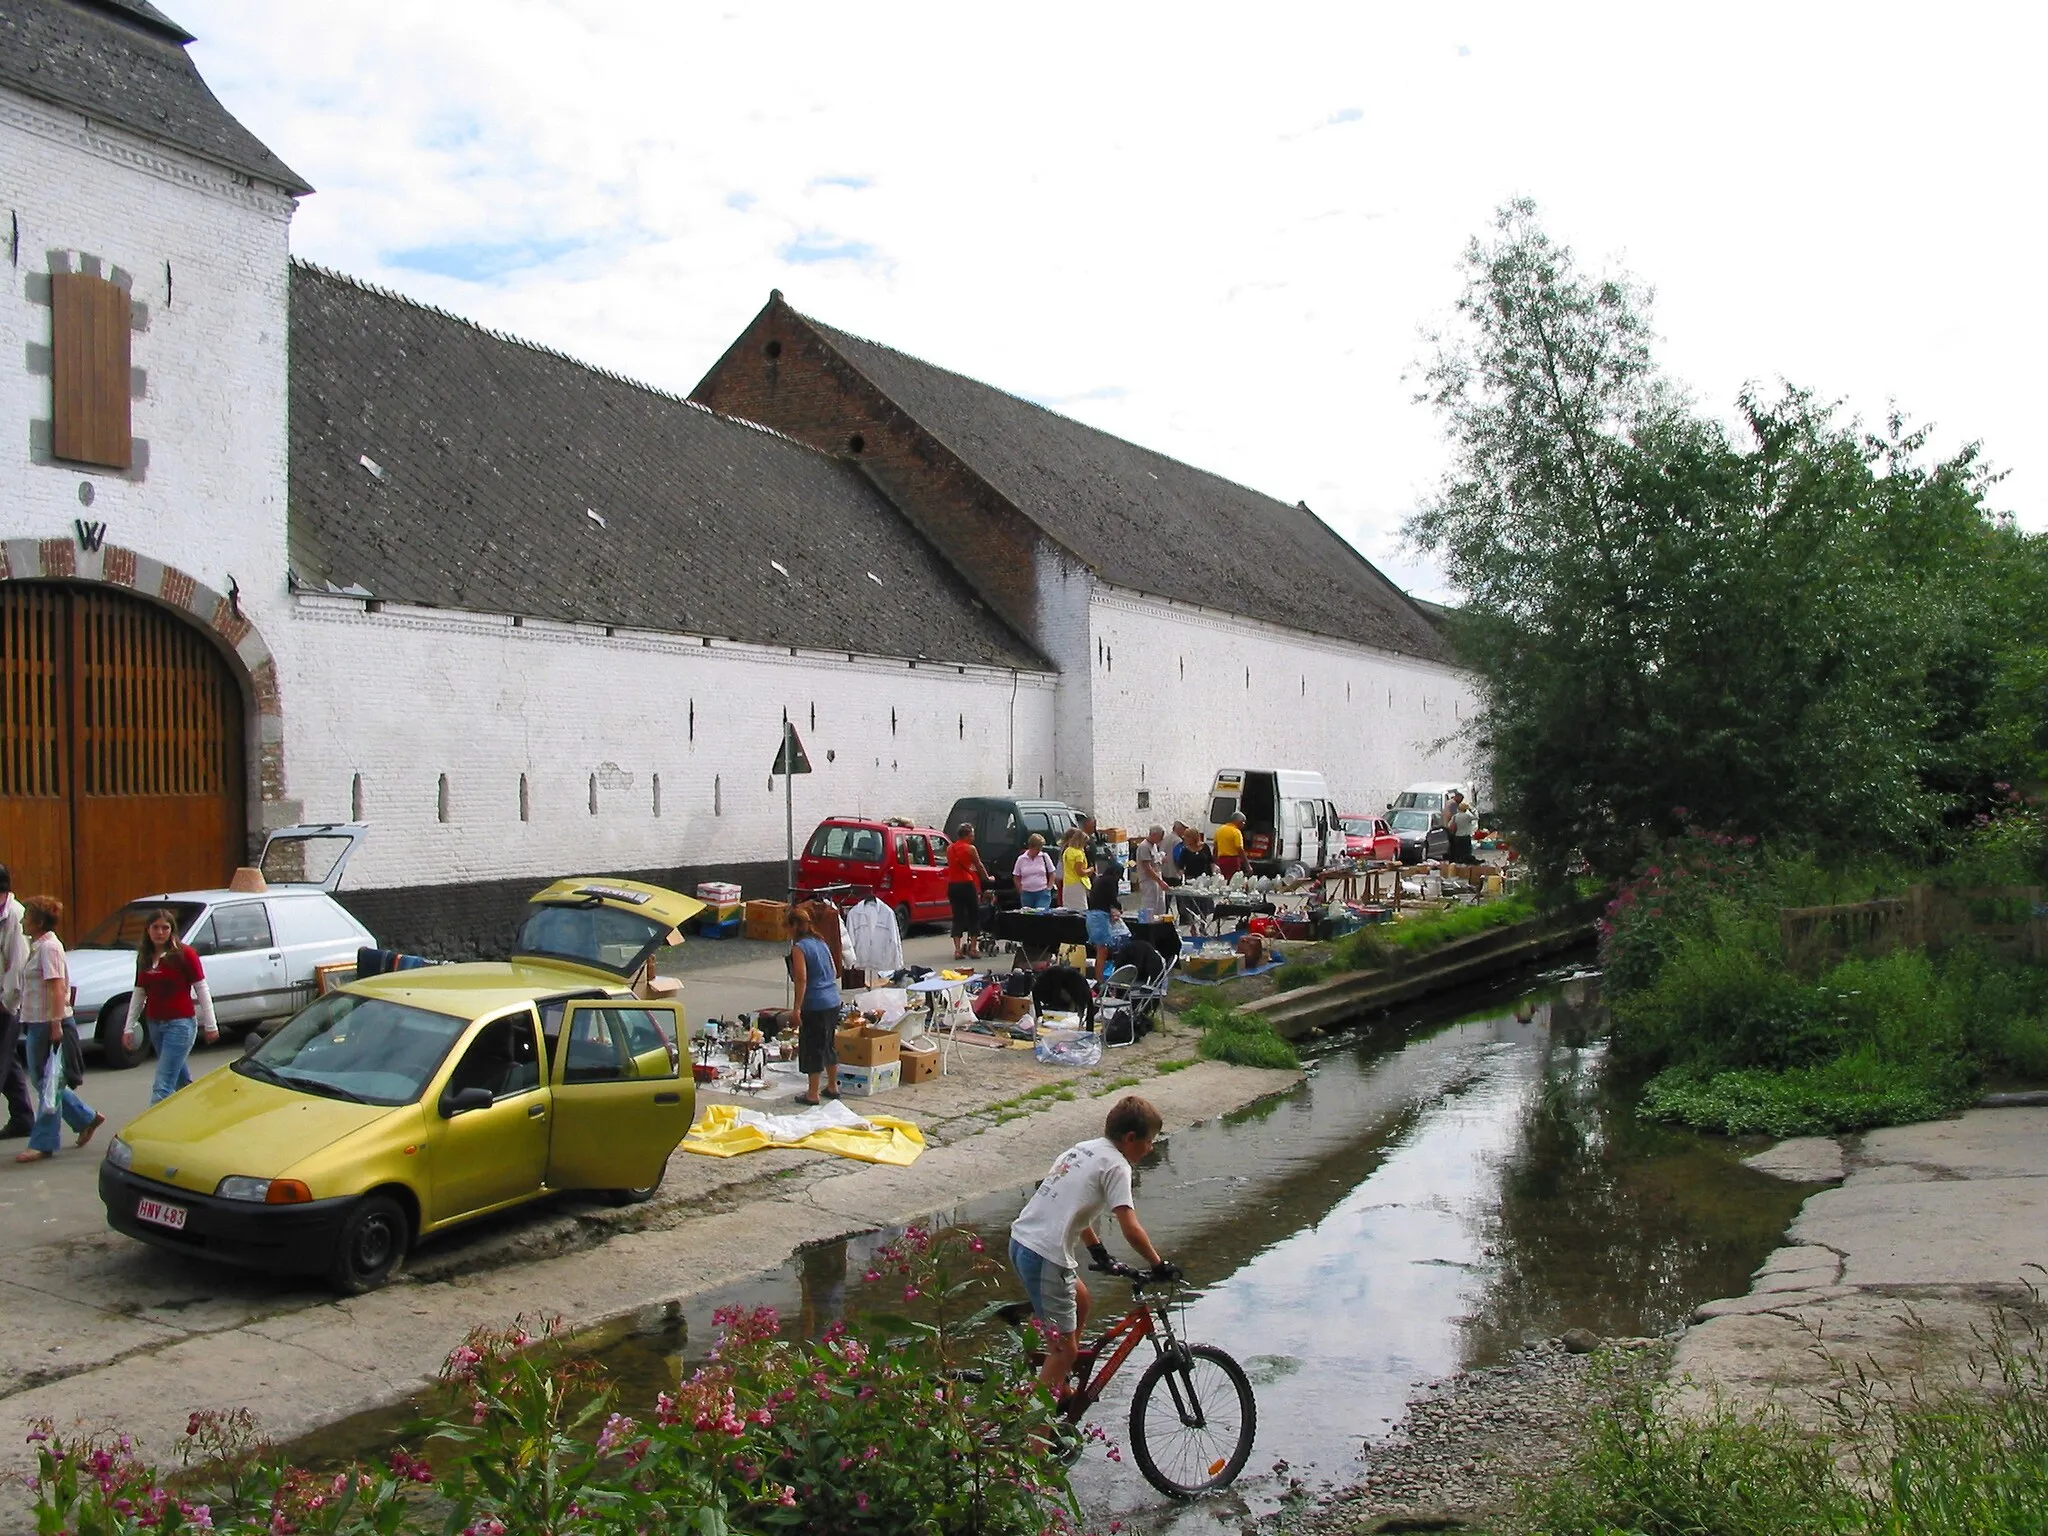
(246, 652)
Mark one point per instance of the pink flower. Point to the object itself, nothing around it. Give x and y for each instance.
(788, 1499)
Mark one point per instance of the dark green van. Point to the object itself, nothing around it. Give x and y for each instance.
(1001, 826)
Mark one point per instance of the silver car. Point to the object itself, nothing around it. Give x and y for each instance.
(260, 948)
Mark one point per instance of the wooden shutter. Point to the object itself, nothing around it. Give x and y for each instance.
(89, 336)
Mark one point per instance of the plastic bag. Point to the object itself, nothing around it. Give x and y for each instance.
(1062, 1049)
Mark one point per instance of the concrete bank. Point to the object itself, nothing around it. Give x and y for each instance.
(1347, 999)
(299, 1360)
(1905, 1265)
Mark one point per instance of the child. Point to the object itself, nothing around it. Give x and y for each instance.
(1084, 1182)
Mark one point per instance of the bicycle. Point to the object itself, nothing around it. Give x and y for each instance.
(1193, 1438)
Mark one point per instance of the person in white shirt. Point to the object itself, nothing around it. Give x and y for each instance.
(1149, 862)
(21, 1108)
(1084, 1181)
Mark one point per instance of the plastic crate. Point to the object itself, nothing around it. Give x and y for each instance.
(729, 929)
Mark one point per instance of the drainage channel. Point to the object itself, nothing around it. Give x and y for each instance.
(1447, 1185)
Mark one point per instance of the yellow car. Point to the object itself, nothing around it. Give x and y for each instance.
(402, 1104)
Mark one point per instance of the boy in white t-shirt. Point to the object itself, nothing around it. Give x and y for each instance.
(1084, 1181)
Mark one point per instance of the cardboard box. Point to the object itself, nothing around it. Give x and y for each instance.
(868, 1047)
(918, 1066)
(862, 1082)
(1012, 1009)
(719, 912)
(1211, 966)
(719, 893)
(768, 920)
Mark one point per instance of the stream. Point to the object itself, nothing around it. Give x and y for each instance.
(1448, 1184)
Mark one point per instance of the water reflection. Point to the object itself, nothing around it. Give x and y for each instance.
(1439, 1191)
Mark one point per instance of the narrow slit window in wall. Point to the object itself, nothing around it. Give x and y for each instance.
(355, 798)
(593, 794)
(693, 719)
(717, 795)
(657, 795)
(89, 376)
(441, 799)
(525, 801)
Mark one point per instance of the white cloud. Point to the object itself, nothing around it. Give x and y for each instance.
(1217, 236)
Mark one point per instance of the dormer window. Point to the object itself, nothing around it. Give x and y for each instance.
(89, 334)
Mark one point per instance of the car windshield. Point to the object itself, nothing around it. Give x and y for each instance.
(1358, 826)
(124, 929)
(366, 1049)
(1409, 821)
(591, 933)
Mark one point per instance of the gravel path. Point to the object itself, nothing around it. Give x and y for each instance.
(1470, 1442)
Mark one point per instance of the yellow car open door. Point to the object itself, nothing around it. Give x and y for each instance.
(620, 1108)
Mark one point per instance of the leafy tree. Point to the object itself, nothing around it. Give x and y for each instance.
(1785, 628)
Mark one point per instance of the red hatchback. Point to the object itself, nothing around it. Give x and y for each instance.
(1369, 837)
(903, 864)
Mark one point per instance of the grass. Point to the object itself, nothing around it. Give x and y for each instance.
(1242, 1039)
(1180, 1064)
(1380, 944)
(1962, 1461)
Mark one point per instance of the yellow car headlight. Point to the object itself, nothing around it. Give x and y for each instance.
(263, 1191)
(120, 1154)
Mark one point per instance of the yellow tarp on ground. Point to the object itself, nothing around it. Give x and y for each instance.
(728, 1130)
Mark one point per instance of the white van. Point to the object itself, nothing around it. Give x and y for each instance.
(1288, 814)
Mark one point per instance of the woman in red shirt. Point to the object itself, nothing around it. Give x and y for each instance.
(172, 1001)
(965, 876)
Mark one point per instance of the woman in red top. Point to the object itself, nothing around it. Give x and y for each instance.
(172, 1001)
(965, 876)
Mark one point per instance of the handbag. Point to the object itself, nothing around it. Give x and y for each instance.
(50, 1083)
(73, 1054)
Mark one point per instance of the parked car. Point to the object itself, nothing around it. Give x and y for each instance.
(1430, 796)
(1422, 834)
(259, 949)
(399, 1105)
(1368, 837)
(1289, 816)
(903, 864)
(1001, 827)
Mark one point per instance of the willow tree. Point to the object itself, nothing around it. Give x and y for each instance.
(1676, 620)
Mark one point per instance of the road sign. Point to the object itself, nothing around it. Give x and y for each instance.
(790, 757)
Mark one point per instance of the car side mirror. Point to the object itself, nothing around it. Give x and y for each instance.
(250, 1042)
(461, 1101)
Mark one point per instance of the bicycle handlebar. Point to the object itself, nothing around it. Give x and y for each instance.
(1164, 1274)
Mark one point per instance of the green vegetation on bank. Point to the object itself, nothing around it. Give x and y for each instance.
(1242, 1039)
(1382, 944)
(1926, 1462)
(1708, 1004)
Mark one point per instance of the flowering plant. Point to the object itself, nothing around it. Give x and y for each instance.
(934, 1424)
(1670, 896)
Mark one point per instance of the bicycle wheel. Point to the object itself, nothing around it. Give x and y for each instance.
(1192, 1421)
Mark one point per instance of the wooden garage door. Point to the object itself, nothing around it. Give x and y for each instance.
(121, 758)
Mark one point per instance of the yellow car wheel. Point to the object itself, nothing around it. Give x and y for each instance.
(370, 1246)
(636, 1196)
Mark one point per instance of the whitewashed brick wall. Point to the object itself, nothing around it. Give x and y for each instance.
(1065, 590)
(1181, 691)
(402, 696)
(211, 499)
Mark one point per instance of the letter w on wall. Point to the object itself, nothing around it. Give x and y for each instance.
(89, 322)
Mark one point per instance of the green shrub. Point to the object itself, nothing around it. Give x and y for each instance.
(1723, 1000)
(1301, 973)
(1850, 1093)
(1242, 1039)
(1379, 944)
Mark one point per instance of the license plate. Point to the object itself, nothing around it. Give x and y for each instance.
(172, 1216)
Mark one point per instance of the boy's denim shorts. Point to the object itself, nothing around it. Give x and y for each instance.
(1050, 1287)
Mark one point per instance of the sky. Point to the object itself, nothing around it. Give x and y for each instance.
(1224, 232)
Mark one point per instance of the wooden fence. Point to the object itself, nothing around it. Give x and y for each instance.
(2012, 920)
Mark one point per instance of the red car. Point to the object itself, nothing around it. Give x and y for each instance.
(1369, 837)
(903, 864)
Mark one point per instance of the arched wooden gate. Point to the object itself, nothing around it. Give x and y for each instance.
(121, 754)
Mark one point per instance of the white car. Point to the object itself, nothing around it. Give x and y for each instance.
(260, 948)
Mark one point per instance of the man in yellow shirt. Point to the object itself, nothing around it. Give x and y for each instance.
(1230, 846)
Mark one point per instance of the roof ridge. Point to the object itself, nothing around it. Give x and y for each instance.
(364, 284)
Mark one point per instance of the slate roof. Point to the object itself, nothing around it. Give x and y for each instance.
(491, 455)
(124, 62)
(1143, 521)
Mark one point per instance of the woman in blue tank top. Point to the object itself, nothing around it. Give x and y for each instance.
(817, 999)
